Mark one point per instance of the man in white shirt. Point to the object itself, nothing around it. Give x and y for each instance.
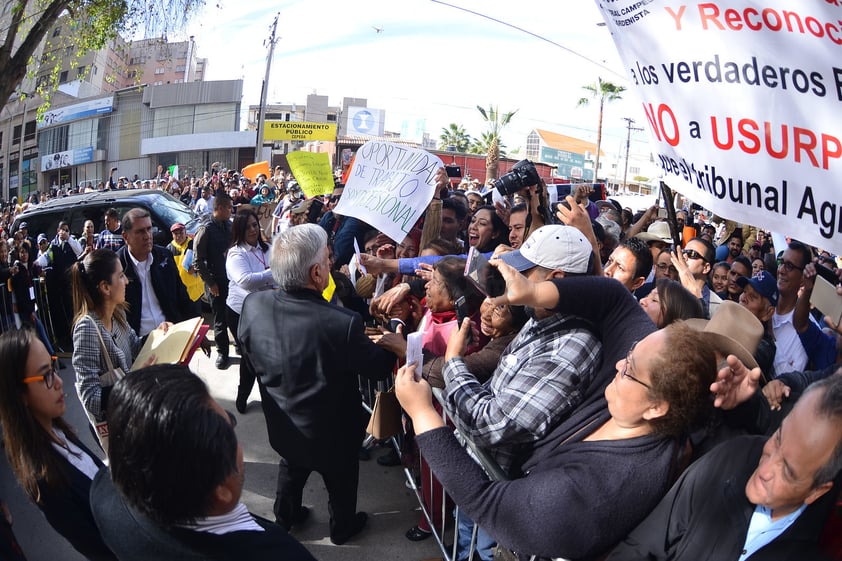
(176, 494)
(790, 354)
(155, 293)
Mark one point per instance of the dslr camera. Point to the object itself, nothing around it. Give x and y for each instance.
(523, 175)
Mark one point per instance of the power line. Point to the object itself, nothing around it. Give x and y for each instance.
(532, 34)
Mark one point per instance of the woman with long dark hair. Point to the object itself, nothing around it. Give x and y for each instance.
(50, 462)
(24, 272)
(99, 303)
(247, 266)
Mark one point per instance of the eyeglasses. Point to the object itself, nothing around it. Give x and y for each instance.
(624, 373)
(665, 266)
(693, 254)
(49, 377)
(788, 266)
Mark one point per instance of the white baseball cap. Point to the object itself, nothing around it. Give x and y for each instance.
(552, 247)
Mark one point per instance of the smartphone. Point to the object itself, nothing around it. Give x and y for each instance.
(662, 213)
(556, 206)
(483, 276)
(394, 323)
(826, 300)
(462, 312)
(453, 171)
(315, 211)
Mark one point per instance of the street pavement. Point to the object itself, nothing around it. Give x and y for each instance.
(392, 507)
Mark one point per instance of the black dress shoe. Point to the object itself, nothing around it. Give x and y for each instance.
(242, 403)
(300, 517)
(390, 458)
(416, 534)
(223, 362)
(359, 523)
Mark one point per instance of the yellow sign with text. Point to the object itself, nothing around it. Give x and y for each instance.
(312, 171)
(305, 131)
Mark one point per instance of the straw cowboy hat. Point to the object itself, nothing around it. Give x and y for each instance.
(734, 331)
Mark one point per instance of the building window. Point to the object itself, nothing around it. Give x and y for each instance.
(331, 117)
(16, 134)
(131, 74)
(159, 70)
(29, 131)
(180, 68)
(80, 71)
(57, 31)
(62, 78)
(93, 70)
(1, 139)
(634, 170)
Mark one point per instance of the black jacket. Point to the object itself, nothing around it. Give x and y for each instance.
(307, 354)
(136, 538)
(706, 514)
(210, 249)
(67, 508)
(171, 293)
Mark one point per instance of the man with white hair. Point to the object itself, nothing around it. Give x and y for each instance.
(307, 354)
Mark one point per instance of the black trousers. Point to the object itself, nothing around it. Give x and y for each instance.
(246, 371)
(220, 323)
(340, 477)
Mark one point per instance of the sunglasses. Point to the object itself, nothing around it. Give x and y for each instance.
(693, 254)
(49, 378)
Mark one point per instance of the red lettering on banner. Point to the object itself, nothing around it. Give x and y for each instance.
(807, 146)
(676, 16)
(656, 119)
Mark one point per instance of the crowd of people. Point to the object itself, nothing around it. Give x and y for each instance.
(642, 387)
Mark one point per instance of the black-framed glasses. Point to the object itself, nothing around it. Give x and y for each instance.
(624, 373)
(693, 254)
(788, 266)
(49, 377)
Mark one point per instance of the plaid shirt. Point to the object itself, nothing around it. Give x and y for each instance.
(88, 362)
(110, 240)
(543, 375)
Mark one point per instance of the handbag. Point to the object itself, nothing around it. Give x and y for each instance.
(385, 416)
(107, 379)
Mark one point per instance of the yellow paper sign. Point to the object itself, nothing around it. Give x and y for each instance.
(312, 171)
(292, 130)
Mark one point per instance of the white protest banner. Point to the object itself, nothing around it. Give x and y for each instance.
(742, 102)
(389, 187)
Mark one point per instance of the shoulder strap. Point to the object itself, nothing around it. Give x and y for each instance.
(108, 364)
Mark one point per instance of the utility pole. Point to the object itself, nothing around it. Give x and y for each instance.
(264, 92)
(629, 122)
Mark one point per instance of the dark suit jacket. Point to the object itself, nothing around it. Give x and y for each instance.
(307, 354)
(171, 293)
(706, 514)
(134, 537)
(68, 510)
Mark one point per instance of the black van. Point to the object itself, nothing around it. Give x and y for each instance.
(164, 209)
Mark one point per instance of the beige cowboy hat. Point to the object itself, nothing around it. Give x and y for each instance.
(734, 331)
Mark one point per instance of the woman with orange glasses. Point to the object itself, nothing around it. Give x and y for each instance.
(48, 459)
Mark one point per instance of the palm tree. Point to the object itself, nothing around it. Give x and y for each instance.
(454, 135)
(483, 144)
(605, 92)
(496, 123)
